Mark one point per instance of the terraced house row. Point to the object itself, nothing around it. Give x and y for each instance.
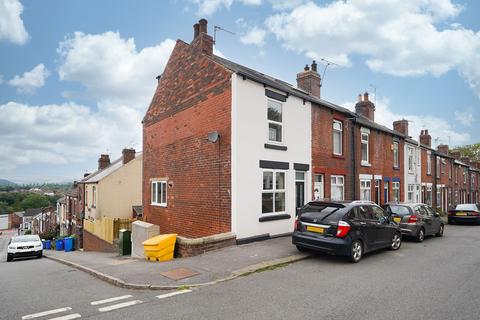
(232, 153)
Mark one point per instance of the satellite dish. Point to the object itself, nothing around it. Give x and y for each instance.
(213, 136)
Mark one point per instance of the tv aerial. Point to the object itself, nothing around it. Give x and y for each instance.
(218, 28)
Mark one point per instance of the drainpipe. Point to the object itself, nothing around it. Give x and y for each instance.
(354, 171)
(434, 186)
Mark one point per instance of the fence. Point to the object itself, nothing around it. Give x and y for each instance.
(107, 228)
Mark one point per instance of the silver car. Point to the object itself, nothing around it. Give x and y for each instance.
(416, 220)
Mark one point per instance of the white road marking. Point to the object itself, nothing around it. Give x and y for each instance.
(171, 294)
(45, 313)
(120, 305)
(68, 317)
(94, 303)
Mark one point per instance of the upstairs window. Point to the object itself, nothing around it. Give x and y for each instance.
(159, 193)
(395, 154)
(443, 165)
(410, 160)
(365, 135)
(429, 162)
(337, 137)
(275, 121)
(464, 176)
(94, 197)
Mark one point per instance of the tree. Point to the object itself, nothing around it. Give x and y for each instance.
(471, 150)
(35, 201)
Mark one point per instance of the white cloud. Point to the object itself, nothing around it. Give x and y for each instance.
(285, 4)
(255, 36)
(118, 78)
(209, 7)
(30, 80)
(112, 69)
(11, 24)
(465, 117)
(401, 38)
(440, 129)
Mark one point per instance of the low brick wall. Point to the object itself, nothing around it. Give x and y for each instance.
(93, 243)
(186, 247)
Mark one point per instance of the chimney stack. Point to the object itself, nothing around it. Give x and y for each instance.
(365, 107)
(309, 80)
(425, 138)
(201, 40)
(401, 126)
(128, 155)
(465, 160)
(103, 161)
(443, 148)
(456, 154)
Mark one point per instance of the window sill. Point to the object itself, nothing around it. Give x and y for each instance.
(338, 156)
(275, 147)
(274, 217)
(396, 168)
(158, 205)
(365, 164)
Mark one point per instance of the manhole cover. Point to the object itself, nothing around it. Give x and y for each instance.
(180, 273)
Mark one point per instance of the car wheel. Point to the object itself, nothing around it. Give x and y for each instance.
(9, 258)
(356, 252)
(39, 255)
(396, 241)
(421, 235)
(302, 249)
(440, 231)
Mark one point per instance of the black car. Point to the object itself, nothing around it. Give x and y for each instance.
(466, 212)
(416, 220)
(348, 229)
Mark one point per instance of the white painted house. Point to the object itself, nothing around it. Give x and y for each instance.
(413, 171)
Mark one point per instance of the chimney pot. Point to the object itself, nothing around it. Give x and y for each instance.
(314, 66)
(309, 80)
(365, 96)
(306, 67)
(203, 25)
(196, 30)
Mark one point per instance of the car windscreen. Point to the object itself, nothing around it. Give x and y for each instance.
(25, 239)
(323, 213)
(398, 210)
(466, 207)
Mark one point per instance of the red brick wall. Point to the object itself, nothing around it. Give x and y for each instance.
(323, 160)
(193, 98)
(381, 160)
(94, 243)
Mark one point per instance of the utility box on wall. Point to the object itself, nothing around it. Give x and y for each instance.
(142, 231)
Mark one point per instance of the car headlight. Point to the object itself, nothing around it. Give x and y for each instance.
(38, 245)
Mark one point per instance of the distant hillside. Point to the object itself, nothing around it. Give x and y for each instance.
(5, 182)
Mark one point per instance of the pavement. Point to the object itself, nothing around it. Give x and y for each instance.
(209, 268)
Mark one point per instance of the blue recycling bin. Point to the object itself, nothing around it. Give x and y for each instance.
(47, 245)
(68, 244)
(59, 244)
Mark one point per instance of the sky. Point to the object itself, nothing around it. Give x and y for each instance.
(76, 77)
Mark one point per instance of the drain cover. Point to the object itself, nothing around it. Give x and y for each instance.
(180, 273)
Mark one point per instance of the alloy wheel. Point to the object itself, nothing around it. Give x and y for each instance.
(421, 235)
(357, 251)
(396, 241)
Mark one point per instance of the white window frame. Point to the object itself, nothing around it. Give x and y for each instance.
(396, 163)
(410, 192)
(366, 184)
(154, 193)
(274, 190)
(94, 196)
(429, 162)
(334, 183)
(395, 190)
(366, 142)
(339, 132)
(281, 124)
(411, 163)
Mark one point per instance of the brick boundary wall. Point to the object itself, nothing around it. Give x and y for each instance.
(93, 243)
(185, 247)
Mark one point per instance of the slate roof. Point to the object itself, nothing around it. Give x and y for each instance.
(32, 212)
(100, 174)
(290, 89)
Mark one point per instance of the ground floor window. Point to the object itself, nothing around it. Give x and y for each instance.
(159, 193)
(428, 195)
(273, 194)
(318, 187)
(365, 189)
(439, 198)
(396, 191)
(410, 190)
(337, 187)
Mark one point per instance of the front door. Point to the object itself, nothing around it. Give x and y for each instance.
(318, 187)
(299, 189)
(377, 192)
(386, 191)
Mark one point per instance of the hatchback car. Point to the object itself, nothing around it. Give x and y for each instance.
(24, 246)
(348, 229)
(416, 220)
(467, 212)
